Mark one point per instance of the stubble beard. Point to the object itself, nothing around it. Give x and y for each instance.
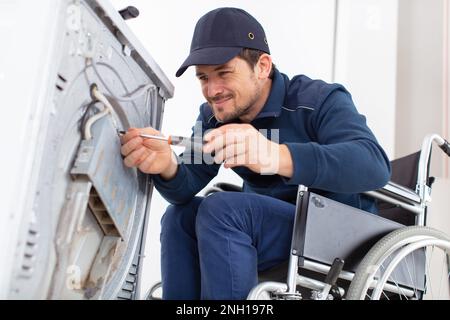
(243, 110)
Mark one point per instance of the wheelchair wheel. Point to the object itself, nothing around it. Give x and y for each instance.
(151, 293)
(408, 263)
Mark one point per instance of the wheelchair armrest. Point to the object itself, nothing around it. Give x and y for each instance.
(399, 192)
(398, 195)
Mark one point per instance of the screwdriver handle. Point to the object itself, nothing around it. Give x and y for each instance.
(195, 144)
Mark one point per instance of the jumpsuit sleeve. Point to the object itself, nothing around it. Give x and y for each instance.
(346, 156)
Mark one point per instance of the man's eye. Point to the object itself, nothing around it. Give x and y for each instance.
(223, 73)
(203, 78)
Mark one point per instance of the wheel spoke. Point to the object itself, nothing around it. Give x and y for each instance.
(395, 282)
(409, 272)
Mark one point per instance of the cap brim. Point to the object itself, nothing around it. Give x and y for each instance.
(209, 56)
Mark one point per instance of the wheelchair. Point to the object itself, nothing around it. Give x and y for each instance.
(340, 252)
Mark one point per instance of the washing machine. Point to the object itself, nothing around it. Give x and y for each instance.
(72, 216)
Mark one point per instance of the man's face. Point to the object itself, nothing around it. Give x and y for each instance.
(232, 89)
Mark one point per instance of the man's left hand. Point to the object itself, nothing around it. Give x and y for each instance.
(242, 145)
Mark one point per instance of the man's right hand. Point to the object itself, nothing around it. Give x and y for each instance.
(149, 155)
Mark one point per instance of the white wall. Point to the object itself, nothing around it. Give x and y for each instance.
(366, 62)
(300, 35)
(421, 108)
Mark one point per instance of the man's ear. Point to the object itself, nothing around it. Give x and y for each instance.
(264, 66)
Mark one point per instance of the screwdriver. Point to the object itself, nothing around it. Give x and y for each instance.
(188, 142)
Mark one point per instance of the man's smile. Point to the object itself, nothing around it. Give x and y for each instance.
(219, 101)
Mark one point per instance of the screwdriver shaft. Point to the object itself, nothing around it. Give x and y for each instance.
(173, 140)
(149, 136)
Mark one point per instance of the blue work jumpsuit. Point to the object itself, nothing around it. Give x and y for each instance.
(213, 247)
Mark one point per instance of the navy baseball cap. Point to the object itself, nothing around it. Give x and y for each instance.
(221, 34)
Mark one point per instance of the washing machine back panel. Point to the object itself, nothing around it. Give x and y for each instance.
(100, 160)
(68, 245)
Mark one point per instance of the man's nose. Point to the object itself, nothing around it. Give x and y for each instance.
(214, 88)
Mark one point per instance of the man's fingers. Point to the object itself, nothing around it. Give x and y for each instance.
(232, 136)
(145, 166)
(154, 144)
(214, 133)
(216, 144)
(131, 145)
(130, 134)
(150, 130)
(231, 151)
(240, 159)
(135, 158)
(222, 130)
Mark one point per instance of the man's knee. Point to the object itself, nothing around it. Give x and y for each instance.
(180, 216)
(217, 209)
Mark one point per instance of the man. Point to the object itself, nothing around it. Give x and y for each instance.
(213, 247)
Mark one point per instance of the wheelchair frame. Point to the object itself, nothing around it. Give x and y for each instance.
(401, 242)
